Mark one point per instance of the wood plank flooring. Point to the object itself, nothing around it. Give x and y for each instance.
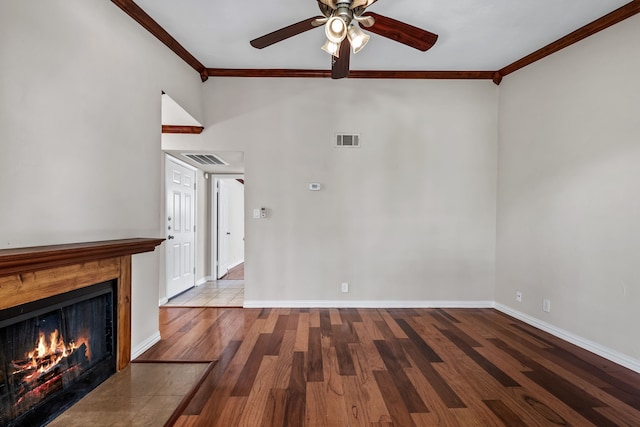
(390, 367)
(236, 273)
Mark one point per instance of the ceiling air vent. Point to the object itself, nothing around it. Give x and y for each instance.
(348, 140)
(205, 159)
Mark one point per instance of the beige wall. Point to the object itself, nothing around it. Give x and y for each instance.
(569, 189)
(203, 232)
(408, 217)
(80, 159)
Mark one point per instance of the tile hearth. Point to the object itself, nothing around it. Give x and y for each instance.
(143, 394)
(219, 293)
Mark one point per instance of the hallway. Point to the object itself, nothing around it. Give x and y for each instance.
(225, 292)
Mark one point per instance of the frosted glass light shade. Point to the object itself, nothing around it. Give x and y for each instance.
(335, 29)
(332, 48)
(357, 38)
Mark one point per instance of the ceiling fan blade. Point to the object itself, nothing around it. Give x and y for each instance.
(340, 65)
(401, 32)
(285, 33)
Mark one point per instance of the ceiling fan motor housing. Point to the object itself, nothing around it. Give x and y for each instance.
(343, 10)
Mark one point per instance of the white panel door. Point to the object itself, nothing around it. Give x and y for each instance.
(181, 236)
(223, 227)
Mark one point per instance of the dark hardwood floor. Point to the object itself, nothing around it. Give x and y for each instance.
(389, 367)
(236, 273)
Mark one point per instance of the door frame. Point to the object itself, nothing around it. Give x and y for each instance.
(214, 219)
(167, 157)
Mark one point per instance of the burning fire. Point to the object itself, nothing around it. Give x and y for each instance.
(44, 357)
(44, 370)
(47, 354)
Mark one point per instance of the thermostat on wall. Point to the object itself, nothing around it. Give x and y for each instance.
(315, 186)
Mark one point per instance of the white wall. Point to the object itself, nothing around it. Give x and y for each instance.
(408, 217)
(569, 186)
(80, 88)
(203, 230)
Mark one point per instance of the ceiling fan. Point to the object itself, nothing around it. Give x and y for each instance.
(342, 20)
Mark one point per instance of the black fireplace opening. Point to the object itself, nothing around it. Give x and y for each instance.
(54, 351)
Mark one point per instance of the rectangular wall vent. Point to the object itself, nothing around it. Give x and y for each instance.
(348, 140)
(205, 159)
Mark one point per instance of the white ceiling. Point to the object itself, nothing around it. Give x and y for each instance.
(473, 35)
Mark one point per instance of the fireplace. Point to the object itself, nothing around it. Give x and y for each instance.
(55, 350)
(70, 302)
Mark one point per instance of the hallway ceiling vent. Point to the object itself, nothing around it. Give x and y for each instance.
(348, 140)
(206, 159)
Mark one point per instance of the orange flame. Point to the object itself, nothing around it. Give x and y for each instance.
(48, 354)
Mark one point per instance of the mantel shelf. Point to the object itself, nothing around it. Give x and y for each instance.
(24, 260)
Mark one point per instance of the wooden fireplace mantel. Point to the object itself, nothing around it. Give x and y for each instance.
(23, 260)
(30, 274)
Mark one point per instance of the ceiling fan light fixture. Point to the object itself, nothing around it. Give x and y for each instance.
(335, 29)
(332, 48)
(357, 38)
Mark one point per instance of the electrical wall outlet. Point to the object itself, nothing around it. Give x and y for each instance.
(546, 305)
(519, 296)
(345, 287)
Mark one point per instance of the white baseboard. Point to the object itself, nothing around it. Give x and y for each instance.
(367, 304)
(202, 281)
(145, 345)
(600, 350)
(162, 301)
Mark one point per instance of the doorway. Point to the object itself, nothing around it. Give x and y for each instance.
(228, 229)
(180, 226)
(225, 284)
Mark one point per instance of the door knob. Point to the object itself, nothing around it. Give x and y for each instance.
(169, 237)
(228, 233)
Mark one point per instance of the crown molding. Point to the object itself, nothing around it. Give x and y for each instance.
(268, 72)
(140, 16)
(192, 130)
(582, 33)
(353, 74)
